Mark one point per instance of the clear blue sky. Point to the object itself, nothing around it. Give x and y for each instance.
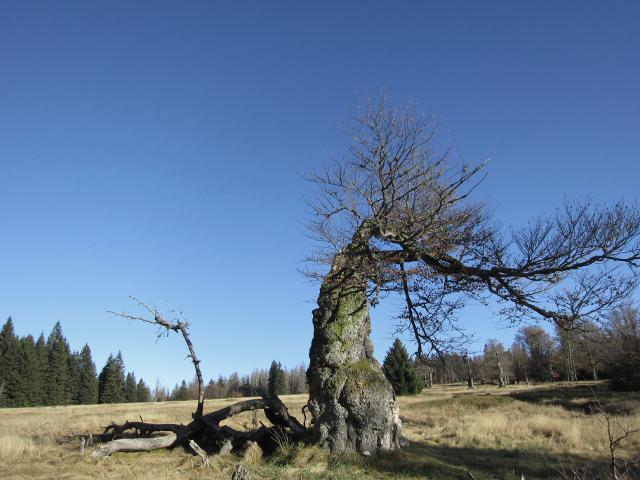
(158, 149)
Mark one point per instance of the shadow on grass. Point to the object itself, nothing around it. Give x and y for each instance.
(579, 398)
(444, 462)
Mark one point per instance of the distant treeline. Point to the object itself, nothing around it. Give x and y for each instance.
(47, 372)
(261, 382)
(609, 350)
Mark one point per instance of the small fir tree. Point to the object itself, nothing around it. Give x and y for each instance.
(57, 381)
(277, 382)
(181, 392)
(88, 383)
(42, 365)
(130, 386)
(400, 370)
(111, 381)
(30, 377)
(143, 394)
(10, 366)
(74, 379)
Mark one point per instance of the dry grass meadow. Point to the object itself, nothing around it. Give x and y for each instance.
(538, 432)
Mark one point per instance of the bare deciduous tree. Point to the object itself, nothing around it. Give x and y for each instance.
(396, 216)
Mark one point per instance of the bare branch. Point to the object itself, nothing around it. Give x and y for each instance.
(180, 326)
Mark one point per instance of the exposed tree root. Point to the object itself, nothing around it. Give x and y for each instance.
(206, 431)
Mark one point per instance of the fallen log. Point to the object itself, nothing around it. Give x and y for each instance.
(134, 445)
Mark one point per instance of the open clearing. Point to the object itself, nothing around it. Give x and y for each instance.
(538, 431)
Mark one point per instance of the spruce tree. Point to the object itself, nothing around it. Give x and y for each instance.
(104, 381)
(87, 383)
(29, 373)
(74, 378)
(119, 376)
(9, 365)
(111, 381)
(181, 392)
(400, 370)
(42, 365)
(277, 382)
(7, 335)
(130, 386)
(57, 381)
(143, 394)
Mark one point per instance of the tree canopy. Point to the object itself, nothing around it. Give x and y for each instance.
(406, 208)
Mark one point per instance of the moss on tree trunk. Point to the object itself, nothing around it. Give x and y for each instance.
(352, 403)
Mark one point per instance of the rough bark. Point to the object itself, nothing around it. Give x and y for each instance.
(352, 403)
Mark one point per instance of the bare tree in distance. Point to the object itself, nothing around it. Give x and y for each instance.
(395, 216)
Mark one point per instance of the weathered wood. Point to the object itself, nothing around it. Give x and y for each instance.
(235, 409)
(226, 448)
(208, 426)
(206, 429)
(203, 455)
(134, 445)
(143, 427)
(176, 326)
(278, 414)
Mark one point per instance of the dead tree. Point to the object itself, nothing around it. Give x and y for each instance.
(395, 217)
(179, 326)
(204, 431)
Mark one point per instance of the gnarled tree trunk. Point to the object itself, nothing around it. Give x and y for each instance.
(352, 402)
